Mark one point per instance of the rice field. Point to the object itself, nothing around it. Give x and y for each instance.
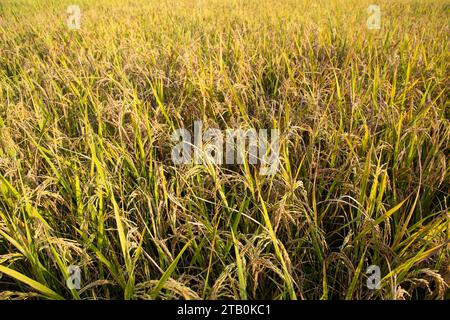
(92, 205)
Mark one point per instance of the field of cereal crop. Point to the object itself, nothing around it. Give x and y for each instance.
(90, 103)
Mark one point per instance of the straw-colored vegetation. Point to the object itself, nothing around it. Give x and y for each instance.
(86, 176)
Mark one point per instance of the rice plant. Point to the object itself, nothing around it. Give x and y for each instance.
(88, 185)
